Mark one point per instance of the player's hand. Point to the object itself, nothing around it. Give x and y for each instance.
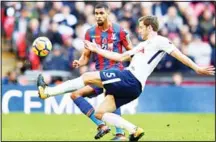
(76, 64)
(206, 70)
(90, 46)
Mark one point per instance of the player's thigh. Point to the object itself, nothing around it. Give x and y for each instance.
(108, 105)
(92, 78)
(85, 91)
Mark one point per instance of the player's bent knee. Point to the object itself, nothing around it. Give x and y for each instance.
(99, 115)
(74, 95)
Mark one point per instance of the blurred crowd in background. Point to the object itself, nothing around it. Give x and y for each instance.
(189, 25)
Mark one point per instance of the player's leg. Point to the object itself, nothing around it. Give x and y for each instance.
(68, 86)
(87, 109)
(83, 105)
(104, 113)
(120, 135)
(106, 106)
(125, 88)
(72, 85)
(93, 91)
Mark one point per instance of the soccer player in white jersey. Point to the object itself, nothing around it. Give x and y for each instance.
(124, 86)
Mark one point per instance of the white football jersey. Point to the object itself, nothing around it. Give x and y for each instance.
(146, 56)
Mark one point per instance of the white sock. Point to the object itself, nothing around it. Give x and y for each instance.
(67, 86)
(118, 121)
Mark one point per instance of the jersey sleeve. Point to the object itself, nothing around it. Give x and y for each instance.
(87, 35)
(166, 45)
(124, 37)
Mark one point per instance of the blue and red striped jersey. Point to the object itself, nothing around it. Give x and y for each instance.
(113, 40)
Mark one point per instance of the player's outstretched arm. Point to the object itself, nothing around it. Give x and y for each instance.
(107, 54)
(188, 62)
(83, 60)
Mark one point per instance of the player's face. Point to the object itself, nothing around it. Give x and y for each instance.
(143, 31)
(101, 16)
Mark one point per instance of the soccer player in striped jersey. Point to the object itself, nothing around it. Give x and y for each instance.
(124, 86)
(108, 36)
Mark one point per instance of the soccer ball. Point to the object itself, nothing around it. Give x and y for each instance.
(42, 46)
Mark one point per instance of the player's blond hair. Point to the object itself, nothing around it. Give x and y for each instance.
(150, 20)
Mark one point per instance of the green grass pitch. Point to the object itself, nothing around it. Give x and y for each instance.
(157, 126)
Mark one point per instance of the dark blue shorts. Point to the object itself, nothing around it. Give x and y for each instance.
(98, 90)
(121, 84)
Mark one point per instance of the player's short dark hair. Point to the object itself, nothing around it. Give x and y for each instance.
(150, 20)
(102, 5)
